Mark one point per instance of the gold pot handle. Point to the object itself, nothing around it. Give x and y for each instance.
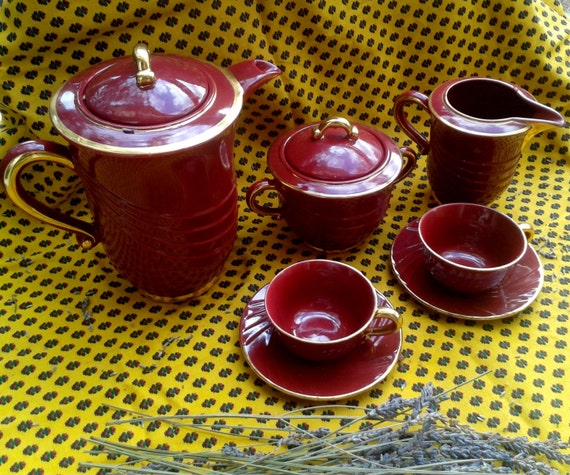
(11, 168)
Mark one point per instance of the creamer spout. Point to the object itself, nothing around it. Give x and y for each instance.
(542, 117)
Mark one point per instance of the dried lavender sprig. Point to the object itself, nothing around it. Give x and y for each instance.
(453, 438)
(457, 435)
(397, 406)
(481, 466)
(250, 466)
(391, 409)
(436, 442)
(421, 441)
(253, 468)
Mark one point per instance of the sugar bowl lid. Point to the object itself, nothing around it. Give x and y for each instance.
(335, 157)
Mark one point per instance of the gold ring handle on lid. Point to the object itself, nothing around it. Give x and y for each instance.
(145, 76)
(351, 130)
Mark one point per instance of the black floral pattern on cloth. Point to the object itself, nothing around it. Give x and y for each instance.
(75, 337)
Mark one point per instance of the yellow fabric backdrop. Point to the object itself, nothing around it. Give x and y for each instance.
(75, 336)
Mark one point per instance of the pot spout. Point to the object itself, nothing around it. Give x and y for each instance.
(253, 73)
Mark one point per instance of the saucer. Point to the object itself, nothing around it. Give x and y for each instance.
(517, 291)
(366, 365)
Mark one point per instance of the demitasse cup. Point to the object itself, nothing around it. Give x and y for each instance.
(471, 248)
(323, 309)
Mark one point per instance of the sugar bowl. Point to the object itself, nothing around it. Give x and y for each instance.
(334, 181)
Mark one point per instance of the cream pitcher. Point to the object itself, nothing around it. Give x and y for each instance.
(479, 127)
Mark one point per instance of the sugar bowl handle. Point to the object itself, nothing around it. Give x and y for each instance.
(11, 168)
(256, 190)
(410, 159)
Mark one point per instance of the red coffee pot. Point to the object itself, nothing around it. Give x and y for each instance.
(153, 146)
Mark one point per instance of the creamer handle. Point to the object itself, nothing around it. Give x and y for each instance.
(411, 97)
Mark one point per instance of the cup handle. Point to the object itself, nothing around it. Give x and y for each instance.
(383, 313)
(11, 168)
(411, 97)
(257, 189)
(528, 231)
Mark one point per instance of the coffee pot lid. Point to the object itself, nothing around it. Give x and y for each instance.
(132, 103)
(140, 96)
(335, 156)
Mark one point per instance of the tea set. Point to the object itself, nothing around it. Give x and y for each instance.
(151, 138)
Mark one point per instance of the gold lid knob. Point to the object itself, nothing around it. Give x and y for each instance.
(145, 76)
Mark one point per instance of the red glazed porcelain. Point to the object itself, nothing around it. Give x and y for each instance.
(323, 309)
(479, 127)
(359, 370)
(517, 291)
(334, 180)
(471, 248)
(152, 144)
